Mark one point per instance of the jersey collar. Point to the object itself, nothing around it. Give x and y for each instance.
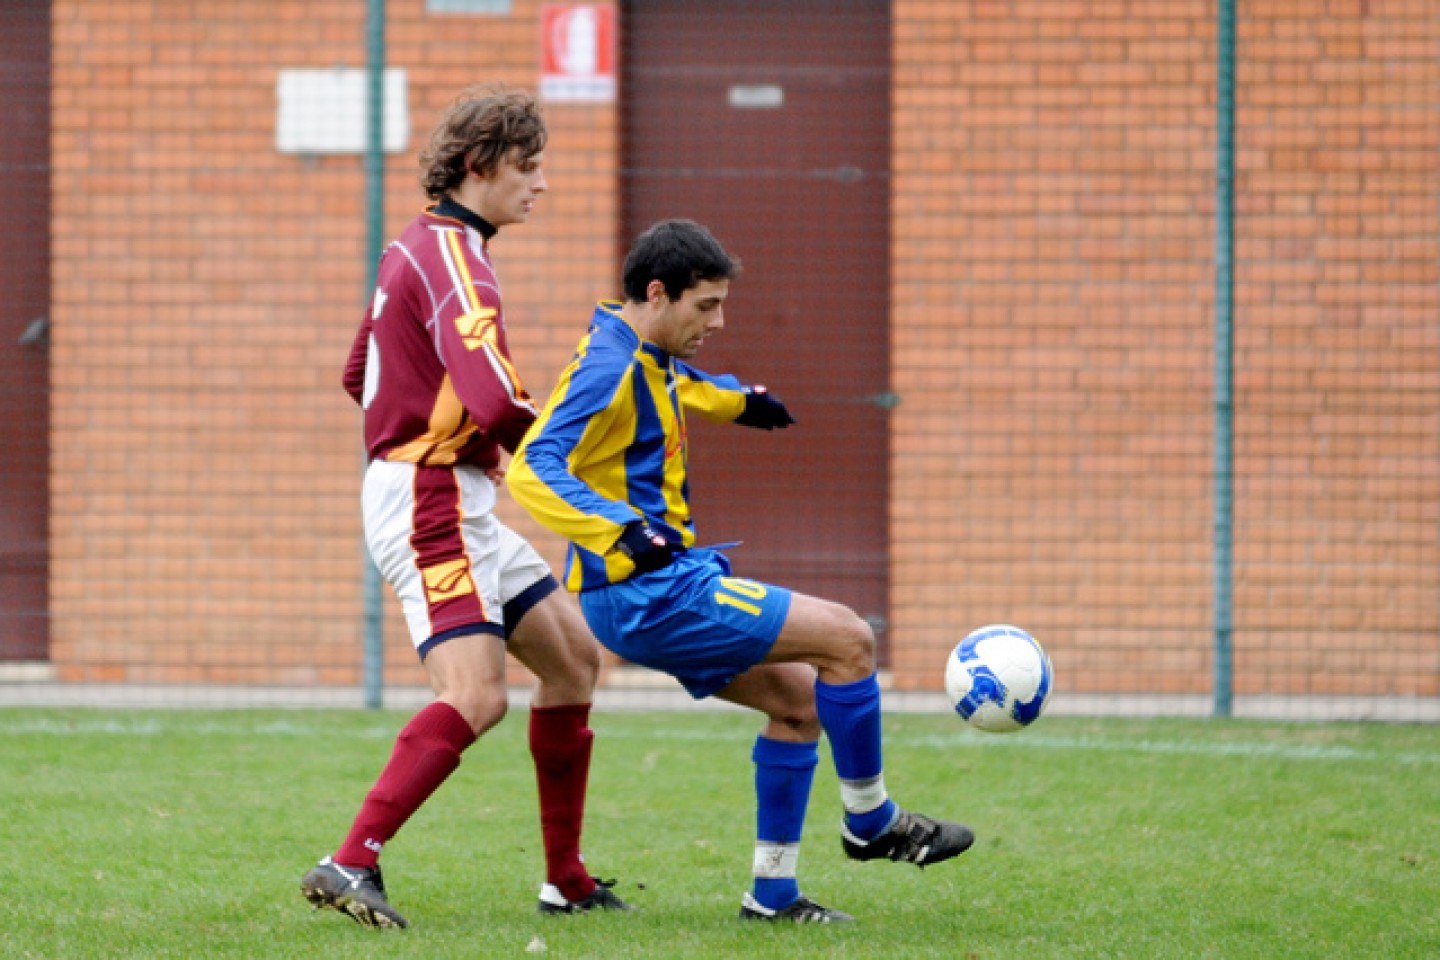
(449, 207)
(608, 316)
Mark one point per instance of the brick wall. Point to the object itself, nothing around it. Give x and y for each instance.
(1052, 314)
(206, 291)
(1337, 382)
(1053, 325)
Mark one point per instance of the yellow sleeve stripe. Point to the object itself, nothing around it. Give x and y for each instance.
(708, 400)
(474, 329)
(595, 446)
(465, 284)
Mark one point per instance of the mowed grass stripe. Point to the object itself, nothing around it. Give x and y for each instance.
(240, 724)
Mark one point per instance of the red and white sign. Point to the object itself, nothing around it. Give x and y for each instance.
(577, 53)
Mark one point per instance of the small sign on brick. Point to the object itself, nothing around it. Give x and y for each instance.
(325, 111)
(577, 53)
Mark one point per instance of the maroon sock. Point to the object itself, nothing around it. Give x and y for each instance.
(560, 743)
(426, 752)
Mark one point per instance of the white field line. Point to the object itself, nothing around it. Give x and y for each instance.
(161, 727)
(1025, 740)
(1031, 740)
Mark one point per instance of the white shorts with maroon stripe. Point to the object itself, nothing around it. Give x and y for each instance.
(433, 535)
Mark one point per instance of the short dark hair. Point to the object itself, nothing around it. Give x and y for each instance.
(678, 253)
(479, 129)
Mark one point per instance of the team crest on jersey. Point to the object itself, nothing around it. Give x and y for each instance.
(673, 448)
(476, 326)
(447, 580)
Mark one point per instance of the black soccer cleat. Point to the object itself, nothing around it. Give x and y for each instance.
(912, 838)
(803, 910)
(552, 901)
(357, 892)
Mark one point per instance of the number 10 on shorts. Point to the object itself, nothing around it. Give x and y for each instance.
(735, 590)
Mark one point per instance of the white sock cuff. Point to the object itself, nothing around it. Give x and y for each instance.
(776, 861)
(862, 796)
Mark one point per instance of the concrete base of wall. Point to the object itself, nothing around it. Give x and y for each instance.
(27, 671)
(635, 696)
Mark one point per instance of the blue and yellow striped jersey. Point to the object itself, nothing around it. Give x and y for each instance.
(610, 446)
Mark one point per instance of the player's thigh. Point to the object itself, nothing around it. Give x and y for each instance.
(431, 535)
(553, 641)
(691, 620)
(545, 628)
(828, 635)
(784, 692)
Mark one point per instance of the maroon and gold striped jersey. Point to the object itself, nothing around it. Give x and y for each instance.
(430, 366)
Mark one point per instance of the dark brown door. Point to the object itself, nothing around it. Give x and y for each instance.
(24, 360)
(769, 123)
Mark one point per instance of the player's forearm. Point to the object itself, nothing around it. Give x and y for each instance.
(564, 504)
(717, 398)
(354, 378)
(504, 416)
(510, 430)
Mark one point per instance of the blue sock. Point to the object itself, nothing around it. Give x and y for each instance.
(783, 774)
(850, 714)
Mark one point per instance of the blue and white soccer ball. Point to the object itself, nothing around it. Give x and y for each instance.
(998, 678)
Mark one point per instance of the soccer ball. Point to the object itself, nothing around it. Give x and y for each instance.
(998, 678)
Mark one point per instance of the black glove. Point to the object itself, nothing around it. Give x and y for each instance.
(763, 410)
(646, 547)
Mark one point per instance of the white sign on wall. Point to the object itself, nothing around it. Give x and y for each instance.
(577, 53)
(324, 111)
(467, 6)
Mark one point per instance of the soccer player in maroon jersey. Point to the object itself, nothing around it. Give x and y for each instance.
(443, 406)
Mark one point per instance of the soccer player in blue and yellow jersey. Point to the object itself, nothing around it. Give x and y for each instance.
(443, 402)
(605, 466)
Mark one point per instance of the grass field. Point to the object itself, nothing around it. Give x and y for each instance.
(184, 834)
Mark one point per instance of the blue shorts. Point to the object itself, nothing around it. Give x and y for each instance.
(691, 620)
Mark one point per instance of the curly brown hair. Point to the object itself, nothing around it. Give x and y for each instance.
(479, 129)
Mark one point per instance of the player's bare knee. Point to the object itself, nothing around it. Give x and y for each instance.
(571, 679)
(585, 664)
(482, 709)
(855, 646)
(792, 713)
(800, 724)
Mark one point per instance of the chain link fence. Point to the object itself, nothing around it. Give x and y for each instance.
(980, 248)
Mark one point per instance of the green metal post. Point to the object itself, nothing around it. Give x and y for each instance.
(1224, 354)
(374, 660)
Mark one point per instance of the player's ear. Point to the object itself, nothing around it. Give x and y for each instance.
(472, 163)
(655, 293)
